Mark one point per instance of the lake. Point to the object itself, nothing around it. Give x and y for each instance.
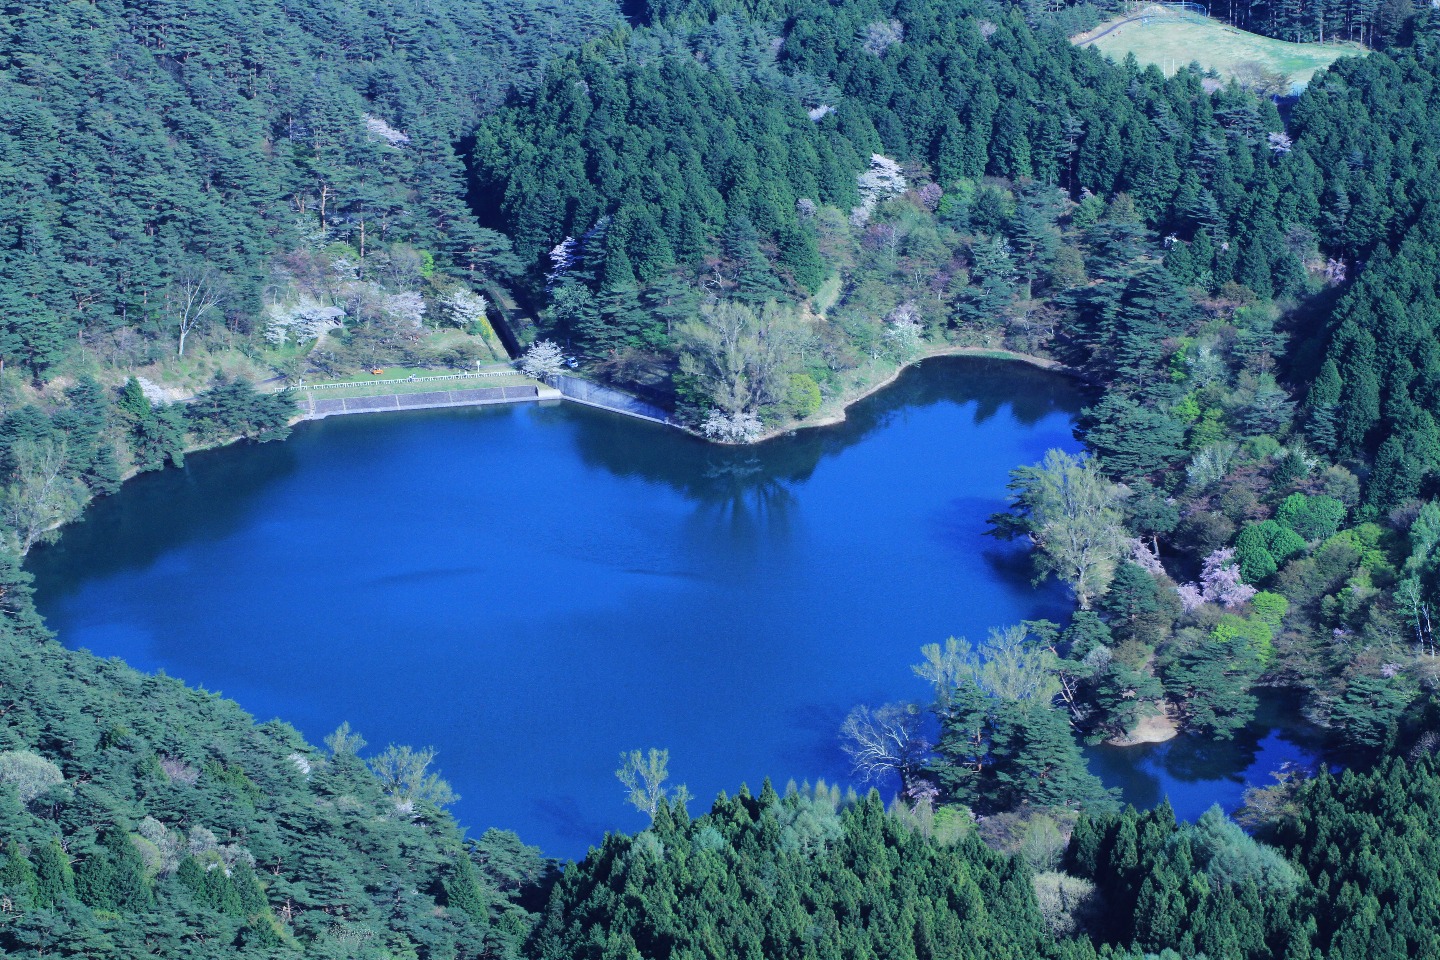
(534, 589)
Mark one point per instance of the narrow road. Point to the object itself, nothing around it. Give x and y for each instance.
(1111, 29)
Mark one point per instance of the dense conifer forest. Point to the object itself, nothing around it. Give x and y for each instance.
(752, 210)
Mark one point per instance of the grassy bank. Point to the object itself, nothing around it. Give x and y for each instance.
(877, 375)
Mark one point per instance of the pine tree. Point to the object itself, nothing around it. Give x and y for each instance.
(463, 892)
(1322, 406)
(18, 877)
(1133, 440)
(54, 878)
(1039, 762)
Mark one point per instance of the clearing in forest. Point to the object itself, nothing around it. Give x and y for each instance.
(1170, 36)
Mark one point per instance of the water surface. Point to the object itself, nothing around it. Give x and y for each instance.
(1195, 773)
(532, 589)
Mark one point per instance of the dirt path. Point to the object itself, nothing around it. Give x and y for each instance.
(1106, 32)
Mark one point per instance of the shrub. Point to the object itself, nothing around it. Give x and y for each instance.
(1313, 518)
(803, 397)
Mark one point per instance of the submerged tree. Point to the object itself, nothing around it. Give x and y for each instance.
(887, 739)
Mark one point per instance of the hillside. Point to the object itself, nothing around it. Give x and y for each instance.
(157, 160)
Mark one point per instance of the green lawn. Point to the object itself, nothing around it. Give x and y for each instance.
(828, 294)
(1169, 41)
(401, 373)
(353, 388)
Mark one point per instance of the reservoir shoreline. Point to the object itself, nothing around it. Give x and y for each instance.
(496, 565)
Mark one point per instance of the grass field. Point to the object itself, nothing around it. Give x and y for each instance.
(400, 373)
(1171, 40)
(360, 389)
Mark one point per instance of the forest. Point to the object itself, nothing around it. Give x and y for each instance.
(750, 211)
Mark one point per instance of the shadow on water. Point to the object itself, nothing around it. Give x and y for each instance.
(157, 512)
(819, 750)
(747, 491)
(745, 486)
(1194, 773)
(707, 472)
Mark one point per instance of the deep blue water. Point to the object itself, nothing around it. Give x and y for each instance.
(533, 589)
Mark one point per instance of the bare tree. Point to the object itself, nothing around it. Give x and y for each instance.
(194, 295)
(1417, 608)
(888, 738)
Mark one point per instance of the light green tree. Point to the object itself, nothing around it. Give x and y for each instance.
(405, 776)
(29, 773)
(1015, 667)
(644, 776)
(40, 496)
(344, 741)
(1072, 514)
(743, 358)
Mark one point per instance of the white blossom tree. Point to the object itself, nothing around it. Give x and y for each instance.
(741, 427)
(881, 35)
(543, 361)
(881, 180)
(1220, 580)
(464, 307)
(377, 127)
(304, 318)
(407, 306)
(563, 256)
(903, 332)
